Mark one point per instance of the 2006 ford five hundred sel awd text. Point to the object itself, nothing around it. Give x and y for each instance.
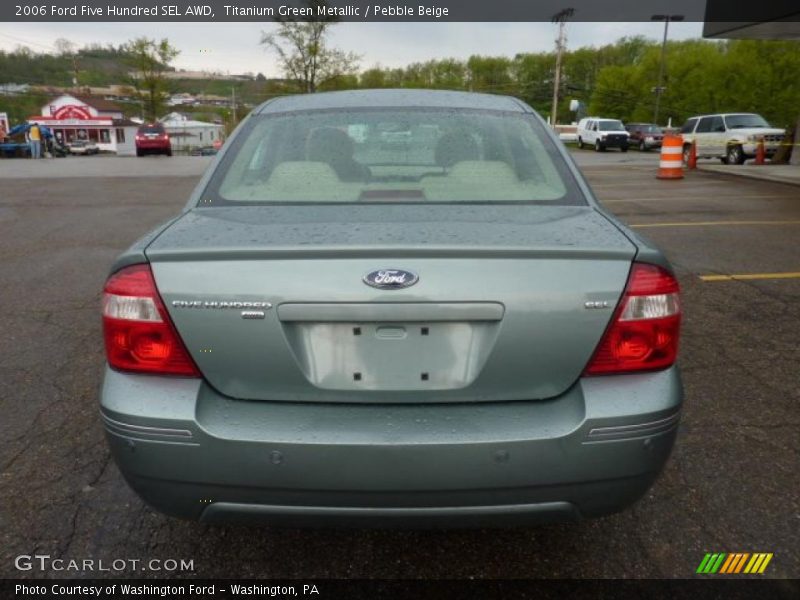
(388, 308)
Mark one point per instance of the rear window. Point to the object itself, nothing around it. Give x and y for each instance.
(393, 156)
(151, 129)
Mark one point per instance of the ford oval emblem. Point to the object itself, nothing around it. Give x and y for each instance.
(391, 279)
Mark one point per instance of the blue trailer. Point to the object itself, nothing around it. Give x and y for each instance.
(14, 144)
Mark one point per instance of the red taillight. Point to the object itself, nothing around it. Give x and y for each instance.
(138, 333)
(645, 329)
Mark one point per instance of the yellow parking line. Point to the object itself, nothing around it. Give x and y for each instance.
(751, 276)
(692, 198)
(713, 223)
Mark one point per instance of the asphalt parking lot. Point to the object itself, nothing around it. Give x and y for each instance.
(730, 486)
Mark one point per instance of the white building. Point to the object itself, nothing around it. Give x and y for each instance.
(89, 118)
(181, 100)
(187, 133)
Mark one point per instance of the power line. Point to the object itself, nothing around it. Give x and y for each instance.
(28, 42)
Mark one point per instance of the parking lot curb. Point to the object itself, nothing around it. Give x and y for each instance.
(761, 173)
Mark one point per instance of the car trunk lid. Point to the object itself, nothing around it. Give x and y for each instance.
(272, 305)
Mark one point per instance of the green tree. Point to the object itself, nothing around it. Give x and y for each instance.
(617, 92)
(303, 51)
(373, 78)
(150, 60)
(490, 74)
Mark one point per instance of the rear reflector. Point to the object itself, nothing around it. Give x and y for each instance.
(139, 335)
(645, 329)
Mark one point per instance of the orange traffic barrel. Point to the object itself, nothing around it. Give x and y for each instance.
(671, 163)
(692, 162)
(761, 152)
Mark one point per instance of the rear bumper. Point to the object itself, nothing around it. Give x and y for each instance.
(192, 453)
(153, 146)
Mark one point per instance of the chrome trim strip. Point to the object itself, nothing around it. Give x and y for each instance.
(360, 312)
(128, 438)
(634, 430)
(142, 430)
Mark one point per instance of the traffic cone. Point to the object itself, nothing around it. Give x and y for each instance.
(671, 162)
(760, 152)
(692, 162)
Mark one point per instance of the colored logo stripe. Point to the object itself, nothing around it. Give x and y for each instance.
(734, 563)
(758, 563)
(724, 563)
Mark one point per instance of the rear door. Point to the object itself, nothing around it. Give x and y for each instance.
(704, 137)
(687, 131)
(718, 137)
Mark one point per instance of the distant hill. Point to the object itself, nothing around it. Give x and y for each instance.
(106, 66)
(104, 71)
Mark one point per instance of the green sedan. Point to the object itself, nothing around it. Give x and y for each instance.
(391, 308)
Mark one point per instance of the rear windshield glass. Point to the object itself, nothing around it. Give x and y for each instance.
(151, 129)
(393, 156)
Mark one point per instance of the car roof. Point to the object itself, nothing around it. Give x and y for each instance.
(386, 98)
(723, 115)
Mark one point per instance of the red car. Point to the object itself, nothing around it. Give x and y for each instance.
(645, 135)
(152, 138)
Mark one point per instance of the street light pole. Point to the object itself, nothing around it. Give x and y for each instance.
(660, 87)
(560, 18)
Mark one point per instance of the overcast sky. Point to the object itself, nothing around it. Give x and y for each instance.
(234, 47)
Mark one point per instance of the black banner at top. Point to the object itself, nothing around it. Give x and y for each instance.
(716, 11)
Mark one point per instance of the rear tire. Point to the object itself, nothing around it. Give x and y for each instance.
(580, 143)
(642, 146)
(139, 152)
(168, 152)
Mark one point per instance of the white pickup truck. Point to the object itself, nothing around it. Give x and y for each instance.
(732, 137)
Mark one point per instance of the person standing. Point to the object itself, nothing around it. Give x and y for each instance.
(35, 139)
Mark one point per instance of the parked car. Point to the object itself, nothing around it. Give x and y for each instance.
(203, 151)
(152, 138)
(85, 147)
(645, 136)
(434, 334)
(602, 134)
(56, 148)
(731, 137)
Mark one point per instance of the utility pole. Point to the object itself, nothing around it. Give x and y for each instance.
(659, 89)
(560, 18)
(233, 103)
(75, 70)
